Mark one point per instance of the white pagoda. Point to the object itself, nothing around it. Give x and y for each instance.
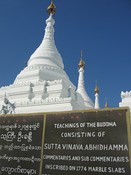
(43, 85)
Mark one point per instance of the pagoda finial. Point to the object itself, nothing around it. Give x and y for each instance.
(51, 8)
(81, 63)
(106, 104)
(96, 88)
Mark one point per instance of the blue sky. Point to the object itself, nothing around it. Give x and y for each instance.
(101, 28)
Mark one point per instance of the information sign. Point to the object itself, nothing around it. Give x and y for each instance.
(82, 143)
(20, 144)
(79, 142)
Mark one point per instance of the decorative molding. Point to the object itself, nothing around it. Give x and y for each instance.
(48, 101)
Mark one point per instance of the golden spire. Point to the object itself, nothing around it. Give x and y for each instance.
(81, 63)
(106, 104)
(52, 8)
(96, 89)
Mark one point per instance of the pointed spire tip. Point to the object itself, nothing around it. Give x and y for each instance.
(81, 63)
(106, 104)
(51, 8)
(96, 88)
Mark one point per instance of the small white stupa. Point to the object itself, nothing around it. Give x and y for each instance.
(125, 99)
(43, 85)
(81, 92)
